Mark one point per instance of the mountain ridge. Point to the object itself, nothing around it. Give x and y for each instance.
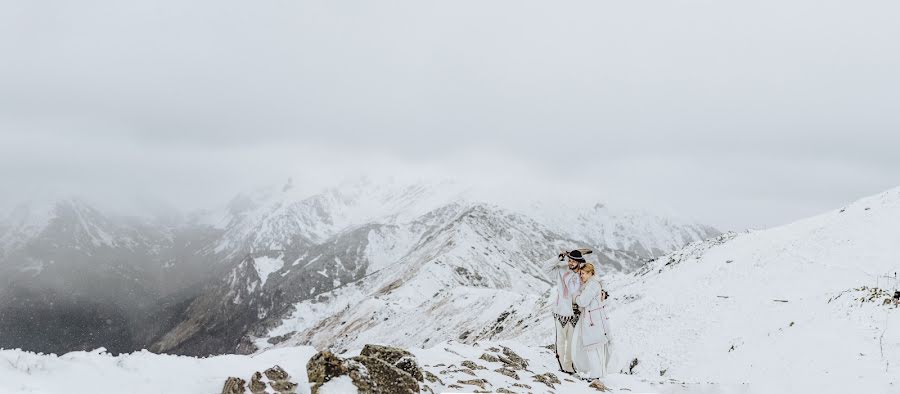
(272, 248)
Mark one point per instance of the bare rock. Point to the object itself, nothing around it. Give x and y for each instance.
(433, 378)
(284, 386)
(277, 373)
(514, 360)
(548, 379)
(474, 382)
(387, 354)
(599, 386)
(377, 370)
(256, 384)
(280, 381)
(323, 367)
(471, 365)
(386, 378)
(234, 386)
(508, 372)
(489, 358)
(409, 365)
(397, 357)
(281, 338)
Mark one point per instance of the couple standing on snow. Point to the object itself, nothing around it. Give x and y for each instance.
(582, 327)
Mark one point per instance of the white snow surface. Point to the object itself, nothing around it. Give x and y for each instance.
(265, 265)
(148, 373)
(788, 309)
(777, 310)
(780, 309)
(339, 385)
(139, 372)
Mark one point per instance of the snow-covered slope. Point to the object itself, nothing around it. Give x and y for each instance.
(795, 308)
(148, 373)
(401, 251)
(223, 279)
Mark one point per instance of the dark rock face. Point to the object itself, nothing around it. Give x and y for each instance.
(376, 370)
(241, 303)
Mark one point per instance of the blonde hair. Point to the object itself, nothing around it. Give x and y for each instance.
(589, 268)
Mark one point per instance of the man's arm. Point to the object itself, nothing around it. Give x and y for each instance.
(551, 266)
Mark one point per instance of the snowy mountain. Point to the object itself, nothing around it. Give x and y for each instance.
(275, 218)
(793, 308)
(386, 245)
(800, 308)
(232, 279)
(642, 233)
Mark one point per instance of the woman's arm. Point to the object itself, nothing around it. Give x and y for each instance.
(588, 293)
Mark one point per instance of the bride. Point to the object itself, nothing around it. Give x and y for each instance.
(590, 348)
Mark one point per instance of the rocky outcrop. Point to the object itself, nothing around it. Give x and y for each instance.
(397, 357)
(276, 378)
(377, 370)
(599, 386)
(234, 386)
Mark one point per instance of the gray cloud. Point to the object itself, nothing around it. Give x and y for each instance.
(740, 115)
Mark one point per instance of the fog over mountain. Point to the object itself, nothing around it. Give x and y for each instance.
(214, 281)
(291, 182)
(741, 115)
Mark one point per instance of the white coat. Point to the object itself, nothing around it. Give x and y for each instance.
(595, 330)
(591, 345)
(567, 285)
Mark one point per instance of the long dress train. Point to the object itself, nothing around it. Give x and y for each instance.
(591, 361)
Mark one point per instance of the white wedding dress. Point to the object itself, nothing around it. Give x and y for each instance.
(591, 361)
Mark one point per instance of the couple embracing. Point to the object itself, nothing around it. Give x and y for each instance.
(582, 327)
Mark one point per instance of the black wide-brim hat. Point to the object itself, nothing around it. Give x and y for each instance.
(578, 254)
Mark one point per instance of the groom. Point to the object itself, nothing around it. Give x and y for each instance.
(563, 271)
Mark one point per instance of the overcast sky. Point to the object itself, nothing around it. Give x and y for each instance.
(740, 115)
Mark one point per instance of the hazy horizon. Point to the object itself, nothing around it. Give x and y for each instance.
(736, 115)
